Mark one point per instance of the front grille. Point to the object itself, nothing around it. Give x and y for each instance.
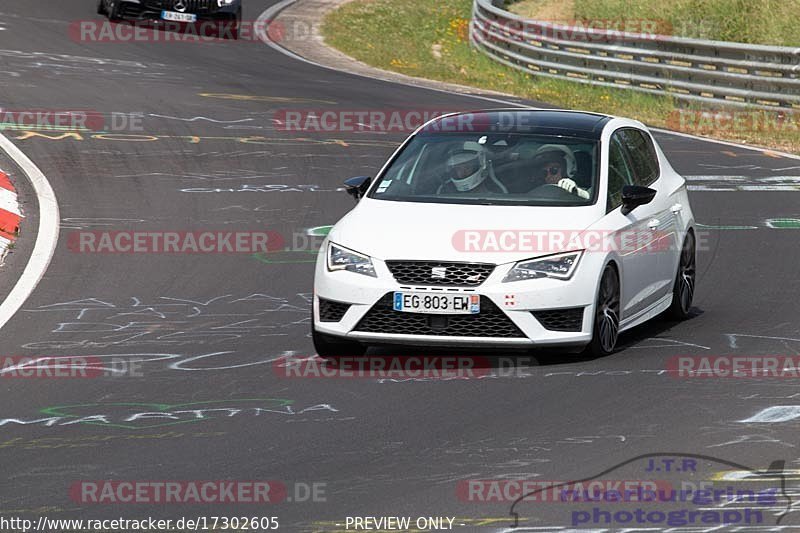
(561, 319)
(192, 6)
(128, 10)
(199, 6)
(330, 311)
(158, 5)
(490, 322)
(451, 274)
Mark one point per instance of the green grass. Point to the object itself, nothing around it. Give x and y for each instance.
(399, 35)
(428, 39)
(745, 21)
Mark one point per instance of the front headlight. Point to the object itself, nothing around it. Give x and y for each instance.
(340, 258)
(223, 3)
(559, 266)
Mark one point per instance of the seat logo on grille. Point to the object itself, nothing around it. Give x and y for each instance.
(439, 272)
(180, 5)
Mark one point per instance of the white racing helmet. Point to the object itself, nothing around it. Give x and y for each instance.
(467, 168)
(558, 151)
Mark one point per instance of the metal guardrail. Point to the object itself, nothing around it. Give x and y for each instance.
(715, 72)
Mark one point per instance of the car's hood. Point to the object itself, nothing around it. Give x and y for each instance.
(455, 232)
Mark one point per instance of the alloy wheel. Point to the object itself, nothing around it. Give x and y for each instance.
(607, 318)
(686, 274)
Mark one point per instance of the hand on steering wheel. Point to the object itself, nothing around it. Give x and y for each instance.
(572, 187)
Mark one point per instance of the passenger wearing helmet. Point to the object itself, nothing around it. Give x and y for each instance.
(467, 170)
(555, 165)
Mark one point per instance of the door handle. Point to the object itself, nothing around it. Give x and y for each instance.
(654, 224)
(676, 209)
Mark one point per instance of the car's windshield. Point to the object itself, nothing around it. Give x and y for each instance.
(478, 168)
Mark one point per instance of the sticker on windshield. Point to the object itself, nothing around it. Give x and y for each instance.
(383, 186)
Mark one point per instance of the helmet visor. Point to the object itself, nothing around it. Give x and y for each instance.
(461, 165)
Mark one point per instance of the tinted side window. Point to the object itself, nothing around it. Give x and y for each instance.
(619, 172)
(642, 155)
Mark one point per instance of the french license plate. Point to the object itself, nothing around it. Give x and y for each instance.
(178, 17)
(440, 304)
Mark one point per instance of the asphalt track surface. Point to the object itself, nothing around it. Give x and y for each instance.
(206, 329)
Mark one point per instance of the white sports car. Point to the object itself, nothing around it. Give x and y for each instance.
(508, 228)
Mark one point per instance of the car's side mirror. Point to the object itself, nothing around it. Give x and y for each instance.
(634, 196)
(357, 187)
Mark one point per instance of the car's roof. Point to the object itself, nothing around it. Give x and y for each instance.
(529, 121)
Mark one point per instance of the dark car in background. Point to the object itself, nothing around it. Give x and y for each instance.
(227, 12)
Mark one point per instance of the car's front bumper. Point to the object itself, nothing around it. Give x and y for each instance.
(150, 10)
(516, 301)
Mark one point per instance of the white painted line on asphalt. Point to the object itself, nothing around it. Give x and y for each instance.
(743, 183)
(752, 180)
(774, 415)
(269, 15)
(46, 238)
(744, 188)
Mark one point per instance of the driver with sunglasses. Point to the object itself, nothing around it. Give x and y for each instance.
(555, 165)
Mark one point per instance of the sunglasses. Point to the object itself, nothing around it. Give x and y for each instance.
(551, 170)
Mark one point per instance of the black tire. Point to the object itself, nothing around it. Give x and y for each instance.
(114, 11)
(605, 327)
(685, 278)
(237, 23)
(101, 8)
(329, 347)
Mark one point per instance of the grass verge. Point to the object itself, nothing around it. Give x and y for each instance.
(429, 39)
(743, 21)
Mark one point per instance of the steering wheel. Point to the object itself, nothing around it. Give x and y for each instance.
(550, 190)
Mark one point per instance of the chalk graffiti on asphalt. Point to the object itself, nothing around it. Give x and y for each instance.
(21, 62)
(136, 321)
(221, 175)
(93, 441)
(147, 415)
(193, 139)
(119, 363)
(266, 187)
